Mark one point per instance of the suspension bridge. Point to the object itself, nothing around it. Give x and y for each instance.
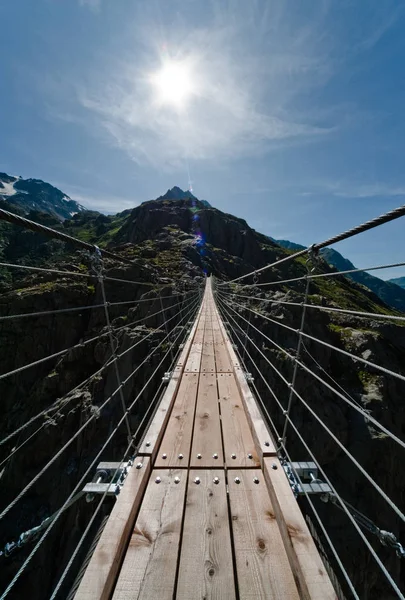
(205, 493)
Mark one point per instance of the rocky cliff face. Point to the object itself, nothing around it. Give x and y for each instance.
(176, 241)
(35, 194)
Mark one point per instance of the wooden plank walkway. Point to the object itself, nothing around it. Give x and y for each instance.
(212, 514)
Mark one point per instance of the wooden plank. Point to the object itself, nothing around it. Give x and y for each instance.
(177, 438)
(311, 576)
(154, 434)
(207, 441)
(100, 576)
(208, 358)
(236, 433)
(149, 569)
(206, 569)
(263, 569)
(222, 358)
(263, 440)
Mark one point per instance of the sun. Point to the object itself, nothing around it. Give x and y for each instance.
(173, 83)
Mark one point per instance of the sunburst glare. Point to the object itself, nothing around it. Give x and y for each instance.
(173, 83)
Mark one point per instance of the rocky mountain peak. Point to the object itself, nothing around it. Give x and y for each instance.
(36, 195)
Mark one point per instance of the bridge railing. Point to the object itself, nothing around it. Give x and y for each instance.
(139, 340)
(277, 326)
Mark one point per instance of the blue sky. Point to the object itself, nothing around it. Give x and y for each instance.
(296, 124)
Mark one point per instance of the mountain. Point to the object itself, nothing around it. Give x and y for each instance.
(390, 291)
(173, 243)
(35, 194)
(177, 193)
(398, 281)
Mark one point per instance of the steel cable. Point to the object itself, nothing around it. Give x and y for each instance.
(7, 509)
(39, 543)
(365, 414)
(310, 337)
(385, 218)
(332, 547)
(337, 441)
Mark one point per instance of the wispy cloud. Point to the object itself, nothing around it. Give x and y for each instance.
(354, 190)
(107, 203)
(243, 104)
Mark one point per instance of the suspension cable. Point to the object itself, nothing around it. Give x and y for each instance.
(77, 487)
(332, 435)
(316, 276)
(71, 440)
(375, 556)
(72, 273)
(99, 269)
(315, 512)
(358, 313)
(385, 218)
(56, 404)
(365, 414)
(54, 234)
(148, 411)
(45, 313)
(345, 509)
(310, 337)
(79, 345)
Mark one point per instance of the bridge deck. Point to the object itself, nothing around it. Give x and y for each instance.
(210, 514)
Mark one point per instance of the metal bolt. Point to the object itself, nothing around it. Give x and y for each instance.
(158, 480)
(147, 444)
(267, 443)
(237, 480)
(216, 480)
(274, 466)
(250, 455)
(139, 466)
(233, 456)
(255, 480)
(180, 456)
(215, 455)
(198, 456)
(197, 480)
(177, 480)
(164, 456)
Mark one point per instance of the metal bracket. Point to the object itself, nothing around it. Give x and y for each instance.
(167, 376)
(249, 377)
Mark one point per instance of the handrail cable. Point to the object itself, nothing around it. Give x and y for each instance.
(74, 436)
(44, 313)
(74, 273)
(358, 313)
(342, 389)
(15, 450)
(332, 435)
(385, 218)
(364, 413)
(316, 276)
(79, 484)
(56, 404)
(297, 356)
(53, 233)
(263, 406)
(346, 510)
(98, 267)
(79, 345)
(310, 337)
(153, 404)
(371, 549)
